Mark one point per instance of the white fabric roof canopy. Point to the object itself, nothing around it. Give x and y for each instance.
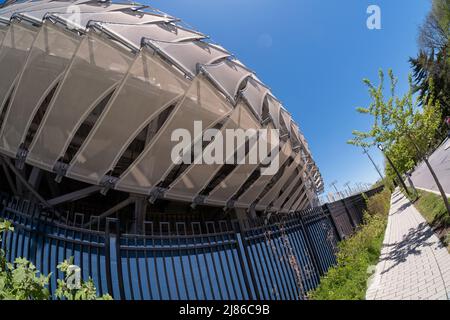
(201, 102)
(118, 17)
(93, 66)
(255, 94)
(274, 110)
(287, 119)
(144, 96)
(38, 6)
(89, 79)
(188, 55)
(133, 34)
(21, 6)
(228, 75)
(38, 10)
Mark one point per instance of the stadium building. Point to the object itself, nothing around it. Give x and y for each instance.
(90, 94)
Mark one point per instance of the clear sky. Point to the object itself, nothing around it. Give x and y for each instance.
(313, 54)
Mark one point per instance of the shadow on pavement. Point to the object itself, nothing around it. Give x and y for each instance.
(402, 208)
(412, 244)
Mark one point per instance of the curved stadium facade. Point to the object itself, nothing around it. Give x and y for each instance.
(90, 93)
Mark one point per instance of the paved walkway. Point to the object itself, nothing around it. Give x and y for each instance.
(414, 265)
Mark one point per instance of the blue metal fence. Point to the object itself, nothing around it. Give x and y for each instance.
(276, 258)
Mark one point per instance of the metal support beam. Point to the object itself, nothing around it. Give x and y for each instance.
(252, 210)
(298, 201)
(111, 211)
(310, 197)
(74, 196)
(140, 209)
(25, 183)
(303, 204)
(16, 173)
(52, 184)
(242, 216)
(35, 177)
(11, 183)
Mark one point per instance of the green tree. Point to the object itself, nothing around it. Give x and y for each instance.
(434, 33)
(406, 128)
(432, 65)
(403, 155)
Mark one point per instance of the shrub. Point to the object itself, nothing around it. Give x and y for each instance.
(86, 290)
(386, 182)
(348, 279)
(22, 281)
(379, 204)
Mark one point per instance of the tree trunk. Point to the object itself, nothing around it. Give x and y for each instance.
(399, 176)
(433, 174)
(438, 183)
(411, 183)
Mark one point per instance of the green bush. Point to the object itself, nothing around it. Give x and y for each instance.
(386, 182)
(22, 281)
(379, 204)
(86, 291)
(348, 279)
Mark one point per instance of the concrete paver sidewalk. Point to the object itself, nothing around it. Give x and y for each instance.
(414, 265)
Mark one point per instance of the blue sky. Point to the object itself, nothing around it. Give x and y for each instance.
(314, 55)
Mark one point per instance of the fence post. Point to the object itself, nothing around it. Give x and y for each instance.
(350, 217)
(108, 246)
(310, 246)
(244, 259)
(326, 211)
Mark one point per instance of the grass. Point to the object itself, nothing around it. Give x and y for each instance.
(432, 208)
(348, 279)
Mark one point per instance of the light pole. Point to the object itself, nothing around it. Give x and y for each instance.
(373, 162)
(395, 169)
(348, 187)
(333, 184)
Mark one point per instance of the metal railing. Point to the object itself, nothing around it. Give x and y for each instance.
(276, 258)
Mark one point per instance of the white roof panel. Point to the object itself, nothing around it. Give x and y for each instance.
(38, 11)
(118, 17)
(17, 6)
(188, 55)
(133, 34)
(37, 6)
(228, 76)
(255, 94)
(274, 110)
(287, 119)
